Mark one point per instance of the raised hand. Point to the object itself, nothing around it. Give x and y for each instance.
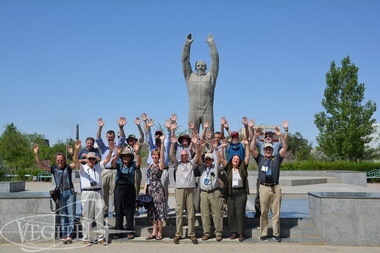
(208, 134)
(225, 124)
(77, 144)
(222, 121)
(224, 143)
(189, 40)
(174, 117)
(191, 125)
(194, 139)
(167, 123)
(100, 122)
(285, 124)
(257, 132)
(144, 117)
(244, 141)
(206, 124)
(137, 121)
(215, 144)
(111, 145)
(210, 39)
(278, 131)
(173, 126)
(35, 148)
(202, 143)
(162, 138)
(122, 121)
(173, 140)
(245, 121)
(251, 123)
(150, 123)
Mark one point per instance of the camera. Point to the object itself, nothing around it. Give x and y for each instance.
(93, 183)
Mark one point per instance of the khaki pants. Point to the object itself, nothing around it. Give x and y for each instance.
(108, 185)
(212, 203)
(270, 196)
(184, 197)
(92, 205)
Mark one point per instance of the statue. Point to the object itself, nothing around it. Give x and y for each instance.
(201, 85)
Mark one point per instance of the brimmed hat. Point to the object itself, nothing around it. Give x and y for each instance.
(132, 136)
(209, 156)
(127, 152)
(185, 136)
(268, 144)
(235, 134)
(91, 155)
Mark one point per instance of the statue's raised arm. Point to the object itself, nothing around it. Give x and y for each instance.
(186, 67)
(214, 57)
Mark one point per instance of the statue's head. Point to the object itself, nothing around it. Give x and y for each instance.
(201, 66)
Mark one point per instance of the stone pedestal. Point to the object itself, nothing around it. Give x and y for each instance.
(346, 218)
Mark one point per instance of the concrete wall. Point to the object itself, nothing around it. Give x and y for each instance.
(12, 186)
(346, 218)
(26, 217)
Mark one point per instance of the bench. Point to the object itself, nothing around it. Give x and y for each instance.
(44, 174)
(373, 173)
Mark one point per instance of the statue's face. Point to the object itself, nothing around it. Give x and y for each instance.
(201, 67)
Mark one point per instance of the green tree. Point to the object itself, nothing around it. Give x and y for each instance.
(346, 125)
(15, 149)
(299, 147)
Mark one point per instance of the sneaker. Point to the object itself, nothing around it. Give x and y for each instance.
(69, 240)
(87, 243)
(263, 238)
(277, 238)
(131, 236)
(219, 238)
(102, 242)
(194, 239)
(176, 239)
(205, 237)
(234, 236)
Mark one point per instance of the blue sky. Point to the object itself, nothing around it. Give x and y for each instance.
(64, 63)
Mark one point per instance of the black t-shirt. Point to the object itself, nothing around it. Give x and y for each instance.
(269, 169)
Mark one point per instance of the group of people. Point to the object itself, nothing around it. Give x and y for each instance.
(209, 171)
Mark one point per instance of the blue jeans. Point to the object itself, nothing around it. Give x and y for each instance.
(67, 211)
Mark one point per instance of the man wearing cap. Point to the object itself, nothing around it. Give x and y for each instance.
(268, 138)
(184, 193)
(125, 192)
(91, 197)
(211, 198)
(270, 190)
(235, 147)
(109, 173)
(201, 85)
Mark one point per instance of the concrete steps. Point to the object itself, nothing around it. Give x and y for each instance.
(293, 230)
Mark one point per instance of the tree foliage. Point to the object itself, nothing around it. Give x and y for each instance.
(346, 124)
(299, 147)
